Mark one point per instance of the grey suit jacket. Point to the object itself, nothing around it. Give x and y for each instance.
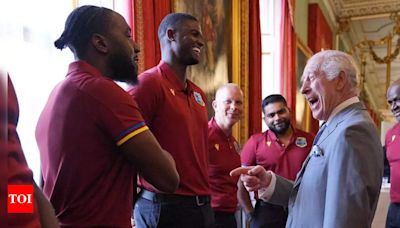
(339, 184)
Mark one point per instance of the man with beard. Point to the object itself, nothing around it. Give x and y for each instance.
(224, 154)
(339, 182)
(174, 108)
(392, 143)
(92, 138)
(282, 149)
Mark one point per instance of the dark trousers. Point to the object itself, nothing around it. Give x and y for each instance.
(393, 216)
(225, 220)
(268, 215)
(173, 212)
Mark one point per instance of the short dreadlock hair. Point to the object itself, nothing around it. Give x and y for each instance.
(81, 24)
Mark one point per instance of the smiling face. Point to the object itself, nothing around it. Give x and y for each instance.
(321, 93)
(393, 98)
(228, 106)
(124, 51)
(277, 117)
(188, 42)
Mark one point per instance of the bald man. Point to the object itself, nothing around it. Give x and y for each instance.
(392, 143)
(224, 154)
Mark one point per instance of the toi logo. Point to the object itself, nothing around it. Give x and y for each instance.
(20, 199)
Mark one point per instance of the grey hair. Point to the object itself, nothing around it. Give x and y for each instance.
(333, 62)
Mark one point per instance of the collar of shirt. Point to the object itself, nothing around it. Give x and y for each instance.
(272, 136)
(170, 75)
(342, 106)
(219, 131)
(84, 67)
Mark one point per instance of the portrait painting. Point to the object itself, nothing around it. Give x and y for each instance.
(215, 21)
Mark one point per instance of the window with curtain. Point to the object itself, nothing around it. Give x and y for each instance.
(28, 30)
(270, 16)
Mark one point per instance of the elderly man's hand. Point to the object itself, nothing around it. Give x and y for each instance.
(253, 177)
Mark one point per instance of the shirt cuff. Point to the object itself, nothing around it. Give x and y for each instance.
(266, 193)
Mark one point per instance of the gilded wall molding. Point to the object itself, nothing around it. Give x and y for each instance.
(354, 8)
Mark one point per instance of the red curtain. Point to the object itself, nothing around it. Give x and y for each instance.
(255, 119)
(288, 49)
(148, 15)
(319, 37)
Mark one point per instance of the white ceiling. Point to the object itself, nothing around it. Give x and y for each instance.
(369, 20)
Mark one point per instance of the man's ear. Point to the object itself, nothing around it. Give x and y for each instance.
(341, 81)
(170, 34)
(100, 43)
(214, 105)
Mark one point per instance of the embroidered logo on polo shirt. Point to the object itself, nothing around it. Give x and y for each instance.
(301, 142)
(198, 98)
(268, 143)
(216, 146)
(172, 91)
(393, 137)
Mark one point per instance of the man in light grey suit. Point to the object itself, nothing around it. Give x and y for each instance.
(339, 183)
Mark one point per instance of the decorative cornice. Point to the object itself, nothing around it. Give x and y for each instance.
(355, 8)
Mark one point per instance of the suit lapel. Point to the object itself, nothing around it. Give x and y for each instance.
(301, 172)
(332, 126)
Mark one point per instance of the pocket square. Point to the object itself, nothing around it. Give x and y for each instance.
(317, 151)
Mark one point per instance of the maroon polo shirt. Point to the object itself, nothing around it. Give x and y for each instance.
(266, 150)
(224, 157)
(17, 169)
(392, 143)
(177, 117)
(86, 177)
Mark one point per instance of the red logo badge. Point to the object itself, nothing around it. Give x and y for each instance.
(20, 199)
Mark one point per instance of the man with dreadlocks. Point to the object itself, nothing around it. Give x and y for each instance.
(92, 139)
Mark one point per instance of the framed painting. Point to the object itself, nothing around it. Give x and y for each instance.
(214, 68)
(224, 25)
(303, 112)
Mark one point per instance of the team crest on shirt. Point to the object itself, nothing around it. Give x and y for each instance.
(216, 146)
(198, 98)
(393, 137)
(301, 142)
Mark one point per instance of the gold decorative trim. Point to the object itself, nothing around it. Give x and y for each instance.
(139, 36)
(240, 59)
(304, 109)
(357, 8)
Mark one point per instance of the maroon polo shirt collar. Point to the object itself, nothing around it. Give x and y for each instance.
(271, 135)
(84, 67)
(219, 131)
(173, 78)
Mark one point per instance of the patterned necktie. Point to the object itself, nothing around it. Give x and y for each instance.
(322, 128)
